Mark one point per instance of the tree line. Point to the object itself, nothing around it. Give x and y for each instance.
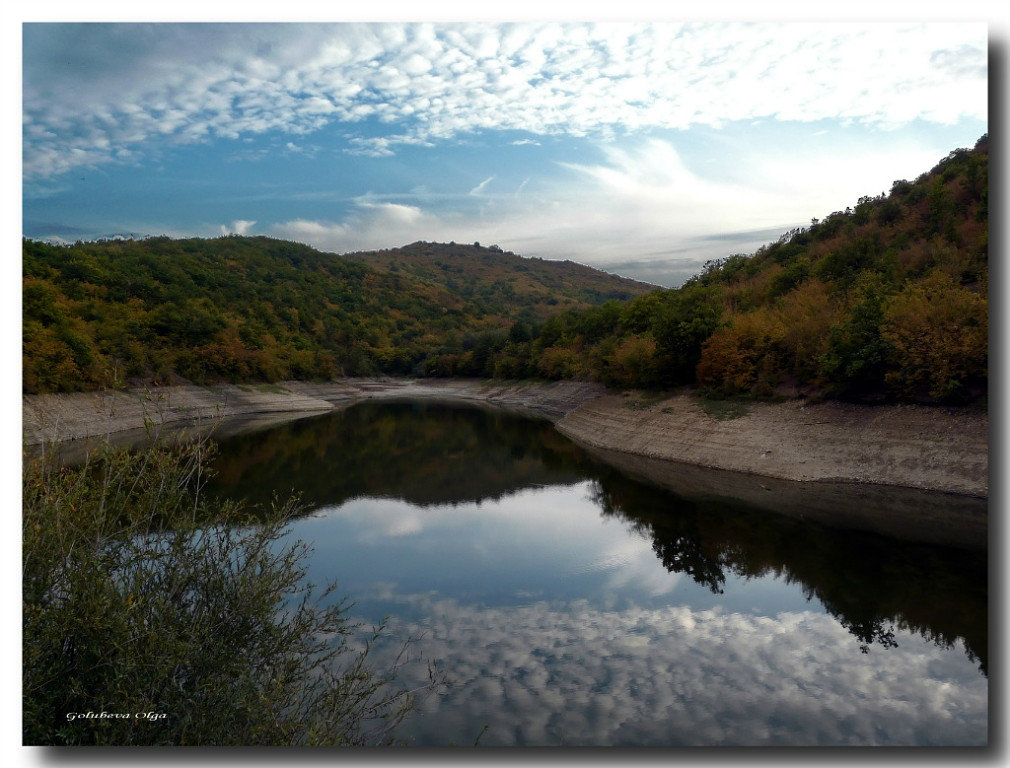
(160, 310)
(886, 300)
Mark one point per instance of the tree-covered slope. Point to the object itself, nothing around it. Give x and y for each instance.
(500, 282)
(240, 308)
(885, 300)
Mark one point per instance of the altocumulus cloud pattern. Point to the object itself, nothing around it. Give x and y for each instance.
(418, 83)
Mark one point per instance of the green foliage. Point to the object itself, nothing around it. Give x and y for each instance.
(140, 596)
(725, 408)
(843, 264)
(798, 316)
(858, 354)
(190, 322)
(940, 209)
(789, 278)
(684, 322)
(829, 309)
(245, 309)
(39, 304)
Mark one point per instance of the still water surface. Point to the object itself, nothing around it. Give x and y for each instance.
(573, 606)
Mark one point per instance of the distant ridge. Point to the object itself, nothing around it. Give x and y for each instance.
(535, 287)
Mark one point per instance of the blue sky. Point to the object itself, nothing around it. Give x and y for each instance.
(640, 148)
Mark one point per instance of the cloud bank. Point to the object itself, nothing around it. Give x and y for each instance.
(100, 93)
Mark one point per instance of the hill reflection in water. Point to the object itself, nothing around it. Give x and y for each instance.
(452, 519)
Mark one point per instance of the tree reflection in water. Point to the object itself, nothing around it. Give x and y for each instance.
(870, 584)
(429, 453)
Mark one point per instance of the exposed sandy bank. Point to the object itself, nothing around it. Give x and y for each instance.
(838, 451)
(905, 513)
(941, 449)
(906, 445)
(57, 418)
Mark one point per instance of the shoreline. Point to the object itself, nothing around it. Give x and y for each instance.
(72, 416)
(795, 453)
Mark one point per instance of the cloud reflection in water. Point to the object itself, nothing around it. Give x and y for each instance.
(547, 674)
(623, 651)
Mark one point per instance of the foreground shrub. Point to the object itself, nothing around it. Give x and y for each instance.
(187, 619)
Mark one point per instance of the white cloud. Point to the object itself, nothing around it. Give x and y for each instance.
(91, 91)
(571, 673)
(238, 227)
(650, 210)
(614, 665)
(480, 187)
(369, 226)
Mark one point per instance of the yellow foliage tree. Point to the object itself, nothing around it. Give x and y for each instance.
(806, 316)
(763, 348)
(740, 357)
(939, 331)
(558, 363)
(633, 363)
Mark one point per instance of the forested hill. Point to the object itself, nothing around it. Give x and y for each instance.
(886, 300)
(529, 289)
(253, 308)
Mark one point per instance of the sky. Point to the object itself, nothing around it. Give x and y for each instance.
(640, 148)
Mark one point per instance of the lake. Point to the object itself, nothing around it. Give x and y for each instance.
(571, 605)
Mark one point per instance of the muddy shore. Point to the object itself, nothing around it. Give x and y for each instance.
(809, 459)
